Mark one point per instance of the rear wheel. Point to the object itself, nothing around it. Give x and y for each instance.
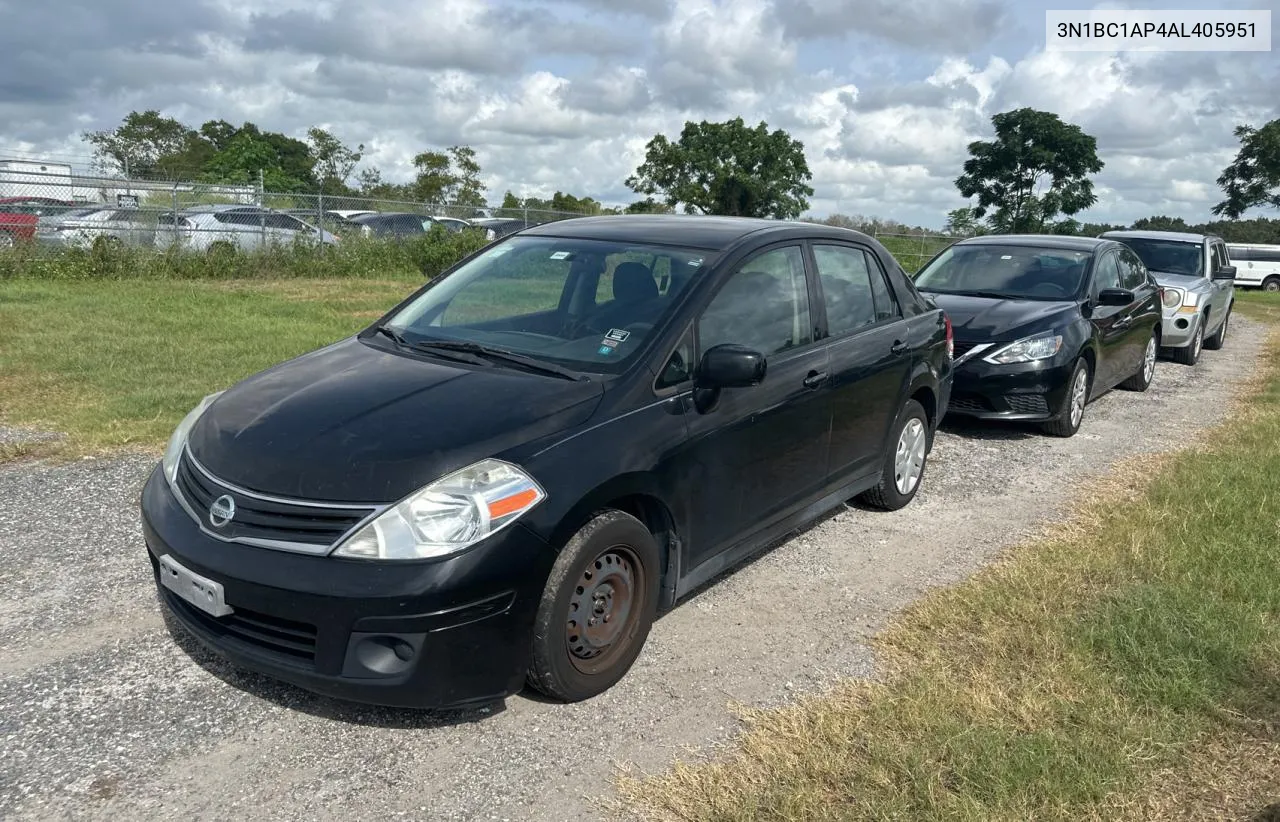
(597, 608)
(1190, 354)
(1072, 413)
(6, 240)
(904, 463)
(1141, 379)
(1219, 337)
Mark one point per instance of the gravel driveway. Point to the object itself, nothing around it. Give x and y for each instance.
(103, 715)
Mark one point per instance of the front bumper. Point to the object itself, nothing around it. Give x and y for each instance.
(1177, 330)
(1032, 391)
(430, 634)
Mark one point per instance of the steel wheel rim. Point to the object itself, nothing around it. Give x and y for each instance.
(1079, 393)
(1149, 361)
(603, 609)
(908, 460)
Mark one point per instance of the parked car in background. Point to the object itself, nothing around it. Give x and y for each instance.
(1044, 324)
(1196, 274)
(403, 224)
(506, 477)
(213, 227)
(20, 215)
(498, 227)
(1257, 266)
(112, 226)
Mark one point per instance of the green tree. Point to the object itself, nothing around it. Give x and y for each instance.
(467, 189)
(435, 181)
(961, 222)
(648, 206)
(1161, 223)
(727, 168)
(334, 160)
(245, 152)
(147, 144)
(510, 200)
(1036, 168)
(1253, 178)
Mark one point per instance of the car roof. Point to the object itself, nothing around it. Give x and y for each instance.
(711, 233)
(1062, 241)
(1176, 236)
(378, 215)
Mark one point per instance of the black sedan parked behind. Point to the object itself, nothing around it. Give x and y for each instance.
(507, 476)
(1044, 324)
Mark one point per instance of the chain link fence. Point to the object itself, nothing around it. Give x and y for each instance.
(913, 250)
(55, 206)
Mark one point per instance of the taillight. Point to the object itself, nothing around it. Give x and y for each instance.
(951, 338)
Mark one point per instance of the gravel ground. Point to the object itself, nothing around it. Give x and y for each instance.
(104, 715)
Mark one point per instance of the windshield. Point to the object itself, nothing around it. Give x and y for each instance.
(1007, 271)
(1168, 256)
(584, 304)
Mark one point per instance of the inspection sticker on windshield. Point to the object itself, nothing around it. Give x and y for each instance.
(560, 255)
(616, 334)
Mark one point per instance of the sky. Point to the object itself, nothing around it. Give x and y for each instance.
(564, 94)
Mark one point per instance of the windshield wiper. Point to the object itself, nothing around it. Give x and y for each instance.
(392, 333)
(501, 354)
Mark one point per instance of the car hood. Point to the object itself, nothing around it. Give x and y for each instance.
(1183, 281)
(988, 319)
(358, 423)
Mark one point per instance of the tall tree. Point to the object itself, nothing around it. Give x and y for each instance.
(727, 168)
(334, 160)
(961, 222)
(1036, 168)
(284, 163)
(149, 144)
(467, 190)
(435, 180)
(1253, 178)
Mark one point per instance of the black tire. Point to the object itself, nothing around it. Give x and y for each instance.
(220, 248)
(6, 240)
(886, 495)
(1271, 284)
(1140, 380)
(1219, 337)
(1065, 424)
(611, 553)
(1189, 354)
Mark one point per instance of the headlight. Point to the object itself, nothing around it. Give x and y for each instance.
(1040, 347)
(1172, 297)
(448, 515)
(179, 438)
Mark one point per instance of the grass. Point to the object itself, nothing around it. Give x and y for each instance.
(118, 362)
(1125, 666)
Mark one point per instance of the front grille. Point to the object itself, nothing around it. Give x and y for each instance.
(962, 348)
(967, 402)
(294, 641)
(1027, 403)
(266, 519)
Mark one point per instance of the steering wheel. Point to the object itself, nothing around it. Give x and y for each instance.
(1048, 288)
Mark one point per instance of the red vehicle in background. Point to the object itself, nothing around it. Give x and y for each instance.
(19, 216)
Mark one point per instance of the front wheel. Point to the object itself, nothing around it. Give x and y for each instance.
(1219, 337)
(1141, 379)
(1190, 354)
(597, 608)
(904, 463)
(1272, 284)
(1072, 413)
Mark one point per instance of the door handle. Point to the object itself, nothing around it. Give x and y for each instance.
(1124, 322)
(814, 379)
(899, 347)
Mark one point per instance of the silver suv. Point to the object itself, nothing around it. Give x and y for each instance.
(1197, 278)
(244, 227)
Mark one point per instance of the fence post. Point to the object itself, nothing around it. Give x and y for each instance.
(320, 216)
(175, 214)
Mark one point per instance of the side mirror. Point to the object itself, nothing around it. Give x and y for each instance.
(1116, 296)
(1225, 272)
(730, 366)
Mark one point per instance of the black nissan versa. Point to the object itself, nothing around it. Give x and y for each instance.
(1044, 324)
(508, 475)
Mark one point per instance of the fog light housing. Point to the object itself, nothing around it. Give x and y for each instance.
(371, 656)
(1181, 323)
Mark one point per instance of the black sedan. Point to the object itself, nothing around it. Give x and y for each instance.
(1044, 324)
(401, 224)
(510, 474)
